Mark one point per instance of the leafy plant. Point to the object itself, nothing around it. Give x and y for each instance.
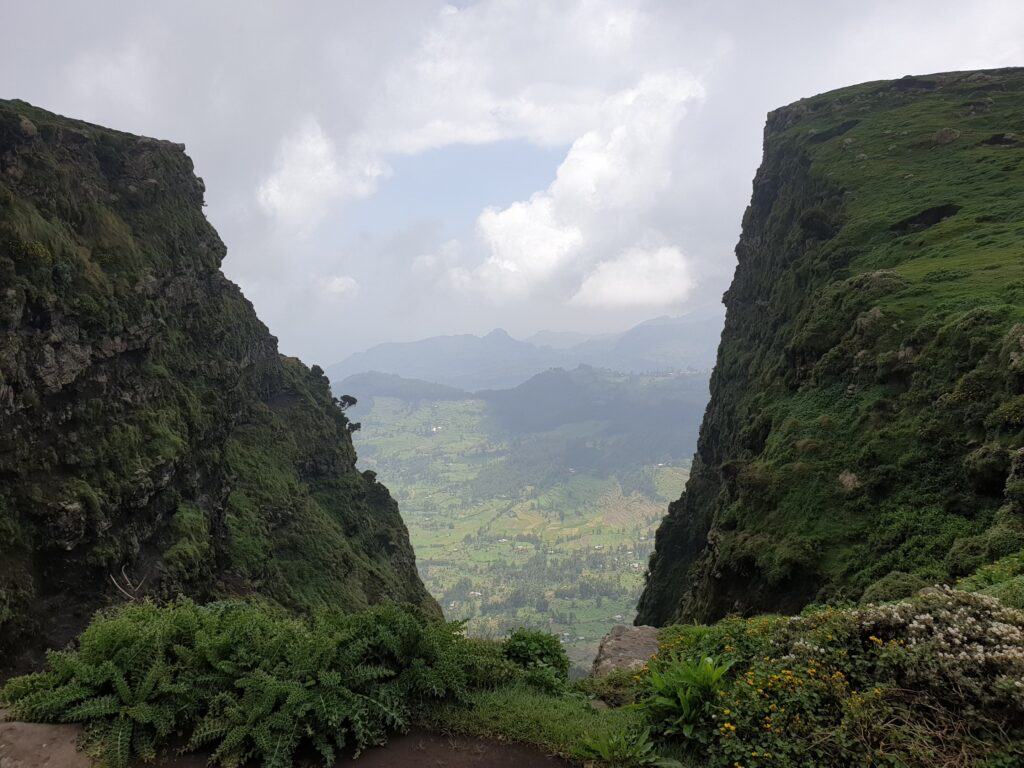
(626, 749)
(531, 648)
(683, 694)
(247, 680)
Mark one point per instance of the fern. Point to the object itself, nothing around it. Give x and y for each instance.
(250, 682)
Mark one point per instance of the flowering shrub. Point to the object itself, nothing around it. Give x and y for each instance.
(935, 680)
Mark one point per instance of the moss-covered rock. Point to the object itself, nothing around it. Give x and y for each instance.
(866, 404)
(152, 439)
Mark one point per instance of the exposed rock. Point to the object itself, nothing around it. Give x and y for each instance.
(27, 126)
(625, 647)
(945, 136)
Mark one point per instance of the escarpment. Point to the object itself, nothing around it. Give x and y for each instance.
(865, 430)
(153, 441)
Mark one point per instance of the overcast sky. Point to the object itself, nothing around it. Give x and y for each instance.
(392, 170)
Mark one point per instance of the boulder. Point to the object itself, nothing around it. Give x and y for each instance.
(625, 647)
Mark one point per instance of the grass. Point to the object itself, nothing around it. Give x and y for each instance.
(559, 725)
(863, 364)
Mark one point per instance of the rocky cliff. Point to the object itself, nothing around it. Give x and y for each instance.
(152, 439)
(867, 407)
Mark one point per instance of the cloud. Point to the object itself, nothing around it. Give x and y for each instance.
(528, 243)
(309, 178)
(339, 287)
(119, 78)
(637, 278)
(293, 127)
(612, 177)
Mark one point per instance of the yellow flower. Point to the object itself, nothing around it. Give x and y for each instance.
(876, 640)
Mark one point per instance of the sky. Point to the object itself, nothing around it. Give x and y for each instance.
(386, 171)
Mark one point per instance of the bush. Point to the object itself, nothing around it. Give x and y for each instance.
(626, 749)
(247, 680)
(683, 694)
(934, 680)
(895, 585)
(531, 648)
(617, 689)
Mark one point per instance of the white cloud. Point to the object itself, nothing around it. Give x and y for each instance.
(528, 244)
(339, 287)
(309, 178)
(604, 190)
(446, 256)
(658, 278)
(119, 78)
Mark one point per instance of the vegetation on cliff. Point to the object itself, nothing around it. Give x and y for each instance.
(152, 439)
(867, 415)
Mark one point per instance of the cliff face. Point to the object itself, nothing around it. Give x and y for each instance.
(867, 406)
(152, 439)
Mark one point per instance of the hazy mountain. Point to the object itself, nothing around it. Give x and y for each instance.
(498, 361)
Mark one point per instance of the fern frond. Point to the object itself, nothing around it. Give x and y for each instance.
(92, 709)
(117, 750)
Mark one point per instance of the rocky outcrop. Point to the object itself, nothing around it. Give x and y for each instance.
(625, 648)
(152, 439)
(865, 398)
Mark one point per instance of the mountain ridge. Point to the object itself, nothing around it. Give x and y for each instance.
(499, 361)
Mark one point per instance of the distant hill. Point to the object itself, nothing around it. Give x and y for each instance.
(366, 386)
(630, 419)
(498, 361)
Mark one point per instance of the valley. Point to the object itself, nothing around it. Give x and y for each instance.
(524, 515)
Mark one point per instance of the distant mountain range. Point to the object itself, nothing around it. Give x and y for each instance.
(498, 361)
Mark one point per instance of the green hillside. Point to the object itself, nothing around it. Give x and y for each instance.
(867, 411)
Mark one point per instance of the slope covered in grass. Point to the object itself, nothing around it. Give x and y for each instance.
(867, 408)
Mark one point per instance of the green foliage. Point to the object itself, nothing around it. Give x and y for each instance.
(537, 651)
(866, 402)
(520, 713)
(683, 695)
(617, 689)
(626, 749)
(248, 681)
(934, 680)
(189, 555)
(893, 586)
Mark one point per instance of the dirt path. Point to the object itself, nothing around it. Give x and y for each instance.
(35, 745)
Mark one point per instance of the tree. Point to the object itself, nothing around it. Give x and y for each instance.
(346, 401)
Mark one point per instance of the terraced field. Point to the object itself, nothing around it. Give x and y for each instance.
(514, 529)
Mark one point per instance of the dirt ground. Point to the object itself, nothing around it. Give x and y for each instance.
(34, 745)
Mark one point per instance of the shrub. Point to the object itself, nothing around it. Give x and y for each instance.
(617, 689)
(934, 680)
(626, 749)
(247, 680)
(893, 586)
(682, 696)
(531, 648)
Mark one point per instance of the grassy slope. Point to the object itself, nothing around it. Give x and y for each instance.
(867, 400)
